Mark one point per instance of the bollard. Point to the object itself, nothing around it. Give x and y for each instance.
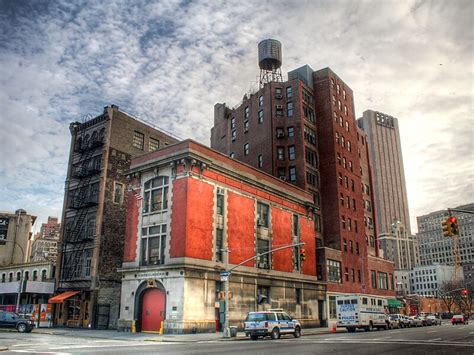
(161, 328)
(134, 327)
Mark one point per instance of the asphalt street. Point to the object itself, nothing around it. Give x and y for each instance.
(444, 339)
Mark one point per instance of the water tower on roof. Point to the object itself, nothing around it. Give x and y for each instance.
(269, 61)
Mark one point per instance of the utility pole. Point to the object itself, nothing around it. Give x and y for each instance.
(226, 275)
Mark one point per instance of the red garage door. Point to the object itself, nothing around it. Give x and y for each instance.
(153, 310)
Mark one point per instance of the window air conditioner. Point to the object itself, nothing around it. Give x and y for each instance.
(278, 96)
(263, 265)
(283, 178)
(280, 135)
(260, 222)
(279, 107)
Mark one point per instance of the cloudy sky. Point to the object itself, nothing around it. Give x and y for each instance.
(169, 62)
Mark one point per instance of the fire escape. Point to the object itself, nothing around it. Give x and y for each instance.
(82, 199)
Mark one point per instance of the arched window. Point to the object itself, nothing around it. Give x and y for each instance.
(27, 275)
(10, 277)
(95, 137)
(35, 275)
(3, 277)
(102, 135)
(156, 194)
(85, 142)
(43, 274)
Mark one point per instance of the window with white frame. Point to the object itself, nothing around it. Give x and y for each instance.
(263, 211)
(219, 244)
(118, 192)
(156, 194)
(153, 245)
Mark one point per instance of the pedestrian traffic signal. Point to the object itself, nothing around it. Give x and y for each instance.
(302, 254)
(454, 225)
(446, 228)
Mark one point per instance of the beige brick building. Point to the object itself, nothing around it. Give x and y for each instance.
(15, 234)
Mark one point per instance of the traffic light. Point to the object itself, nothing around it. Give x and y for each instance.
(302, 254)
(465, 292)
(454, 225)
(446, 228)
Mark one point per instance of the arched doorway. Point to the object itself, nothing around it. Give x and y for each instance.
(152, 312)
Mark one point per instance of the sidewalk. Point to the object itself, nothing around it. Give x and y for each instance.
(115, 335)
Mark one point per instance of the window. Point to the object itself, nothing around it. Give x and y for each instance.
(309, 135)
(391, 281)
(118, 193)
(350, 165)
(339, 106)
(260, 116)
(291, 131)
(383, 281)
(232, 155)
(298, 295)
(87, 262)
(351, 247)
(349, 227)
(357, 244)
(280, 153)
(341, 199)
(340, 178)
(353, 277)
(246, 125)
(352, 185)
(373, 279)
(282, 173)
(346, 182)
(344, 94)
(263, 214)
(90, 228)
(334, 271)
(342, 142)
(234, 134)
(153, 245)
(43, 275)
(232, 123)
(246, 149)
(339, 158)
(358, 276)
(345, 244)
(347, 274)
(344, 162)
(138, 140)
(260, 161)
(10, 277)
(289, 92)
(341, 121)
(260, 101)
(292, 171)
(219, 244)
(291, 152)
(156, 194)
(220, 202)
(278, 94)
(337, 137)
(338, 89)
(349, 146)
(153, 144)
(263, 295)
(246, 113)
(289, 109)
(4, 277)
(345, 110)
(263, 261)
(347, 126)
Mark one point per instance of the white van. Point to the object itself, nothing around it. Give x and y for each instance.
(361, 311)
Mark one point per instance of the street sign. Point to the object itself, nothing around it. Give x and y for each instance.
(225, 276)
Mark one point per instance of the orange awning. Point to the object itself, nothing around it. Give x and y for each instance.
(62, 296)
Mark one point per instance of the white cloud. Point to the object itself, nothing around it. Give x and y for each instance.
(169, 62)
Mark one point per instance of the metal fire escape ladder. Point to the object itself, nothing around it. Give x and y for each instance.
(72, 258)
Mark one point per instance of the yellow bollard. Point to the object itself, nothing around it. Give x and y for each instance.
(161, 328)
(134, 327)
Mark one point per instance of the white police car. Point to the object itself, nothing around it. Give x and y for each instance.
(271, 323)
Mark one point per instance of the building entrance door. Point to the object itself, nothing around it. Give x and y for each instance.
(153, 309)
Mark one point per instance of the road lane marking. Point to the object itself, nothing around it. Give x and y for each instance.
(433, 331)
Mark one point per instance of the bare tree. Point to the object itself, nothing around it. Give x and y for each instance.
(447, 291)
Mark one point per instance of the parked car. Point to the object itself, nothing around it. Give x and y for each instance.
(415, 321)
(15, 321)
(403, 321)
(459, 319)
(434, 320)
(271, 323)
(391, 323)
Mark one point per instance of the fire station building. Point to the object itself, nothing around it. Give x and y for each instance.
(187, 206)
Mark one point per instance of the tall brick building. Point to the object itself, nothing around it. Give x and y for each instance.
(304, 131)
(94, 214)
(187, 204)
